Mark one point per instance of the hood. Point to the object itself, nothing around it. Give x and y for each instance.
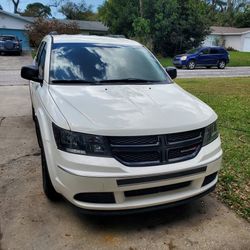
(131, 109)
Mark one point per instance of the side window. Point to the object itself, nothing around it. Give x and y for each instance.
(41, 61)
(205, 51)
(214, 51)
(39, 52)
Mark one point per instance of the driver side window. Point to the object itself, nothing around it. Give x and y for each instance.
(40, 60)
(205, 51)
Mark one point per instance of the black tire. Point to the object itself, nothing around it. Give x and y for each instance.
(33, 114)
(38, 134)
(179, 67)
(48, 188)
(221, 64)
(191, 65)
(208, 67)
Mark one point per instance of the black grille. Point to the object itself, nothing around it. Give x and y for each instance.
(134, 140)
(155, 190)
(156, 149)
(209, 179)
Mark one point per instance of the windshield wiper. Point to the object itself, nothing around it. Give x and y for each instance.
(78, 81)
(125, 80)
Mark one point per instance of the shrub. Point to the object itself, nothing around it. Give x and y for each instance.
(231, 49)
(42, 27)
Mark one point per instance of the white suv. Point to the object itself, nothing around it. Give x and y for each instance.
(116, 133)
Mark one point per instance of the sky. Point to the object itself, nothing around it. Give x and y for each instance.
(8, 5)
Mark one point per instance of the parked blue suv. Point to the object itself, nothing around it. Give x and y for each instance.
(203, 56)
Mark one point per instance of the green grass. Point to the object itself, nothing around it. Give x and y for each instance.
(230, 98)
(236, 59)
(239, 58)
(165, 61)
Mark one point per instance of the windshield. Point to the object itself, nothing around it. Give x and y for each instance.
(99, 63)
(193, 51)
(7, 38)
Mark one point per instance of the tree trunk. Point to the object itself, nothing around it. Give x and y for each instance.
(16, 3)
(141, 8)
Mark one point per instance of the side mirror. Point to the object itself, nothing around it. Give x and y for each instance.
(172, 72)
(31, 73)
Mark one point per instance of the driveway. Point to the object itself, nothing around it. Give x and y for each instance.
(213, 72)
(29, 221)
(10, 69)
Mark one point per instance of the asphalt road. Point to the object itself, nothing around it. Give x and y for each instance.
(29, 221)
(214, 72)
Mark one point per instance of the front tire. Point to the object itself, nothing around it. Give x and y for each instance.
(221, 64)
(48, 188)
(191, 64)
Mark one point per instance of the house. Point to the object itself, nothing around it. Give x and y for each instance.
(13, 24)
(236, 38)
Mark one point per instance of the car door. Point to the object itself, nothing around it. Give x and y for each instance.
(203, 57)
(36, 86)
(214, 56)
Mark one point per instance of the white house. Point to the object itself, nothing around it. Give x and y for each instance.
(13, 24)
(237, 38)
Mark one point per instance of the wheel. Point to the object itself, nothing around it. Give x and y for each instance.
(208, 67)
(38, 134)
(48, 188)
(191, 64)
(179, 67)
(221, 64)
(33, 114)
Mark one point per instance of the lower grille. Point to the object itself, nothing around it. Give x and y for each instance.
(155, 190)
(156, 149)
(104, 197)
(209, 179)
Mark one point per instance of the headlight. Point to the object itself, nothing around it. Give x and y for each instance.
(79, 143)
(211, 133)
(183, 58)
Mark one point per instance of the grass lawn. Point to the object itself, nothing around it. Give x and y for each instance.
(230, 98)
(239, 58)
(236, 59)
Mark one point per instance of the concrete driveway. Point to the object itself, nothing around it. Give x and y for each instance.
(214, 72)
(29, 221)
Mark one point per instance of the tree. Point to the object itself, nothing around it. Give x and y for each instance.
(42, 27)
(80, 11)
(172, 25)
(37, 10)
(225, 12)
(242, 19)
(119, 16)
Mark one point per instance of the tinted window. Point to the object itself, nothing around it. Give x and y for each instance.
(97, 62)
(38, 55)
(214, 51)
(7, 38)
(193, 51)
(205, 51)
(41, 61)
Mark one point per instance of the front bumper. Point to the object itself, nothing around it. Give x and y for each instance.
(179, 62)
(10, 50)
(132, 187)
